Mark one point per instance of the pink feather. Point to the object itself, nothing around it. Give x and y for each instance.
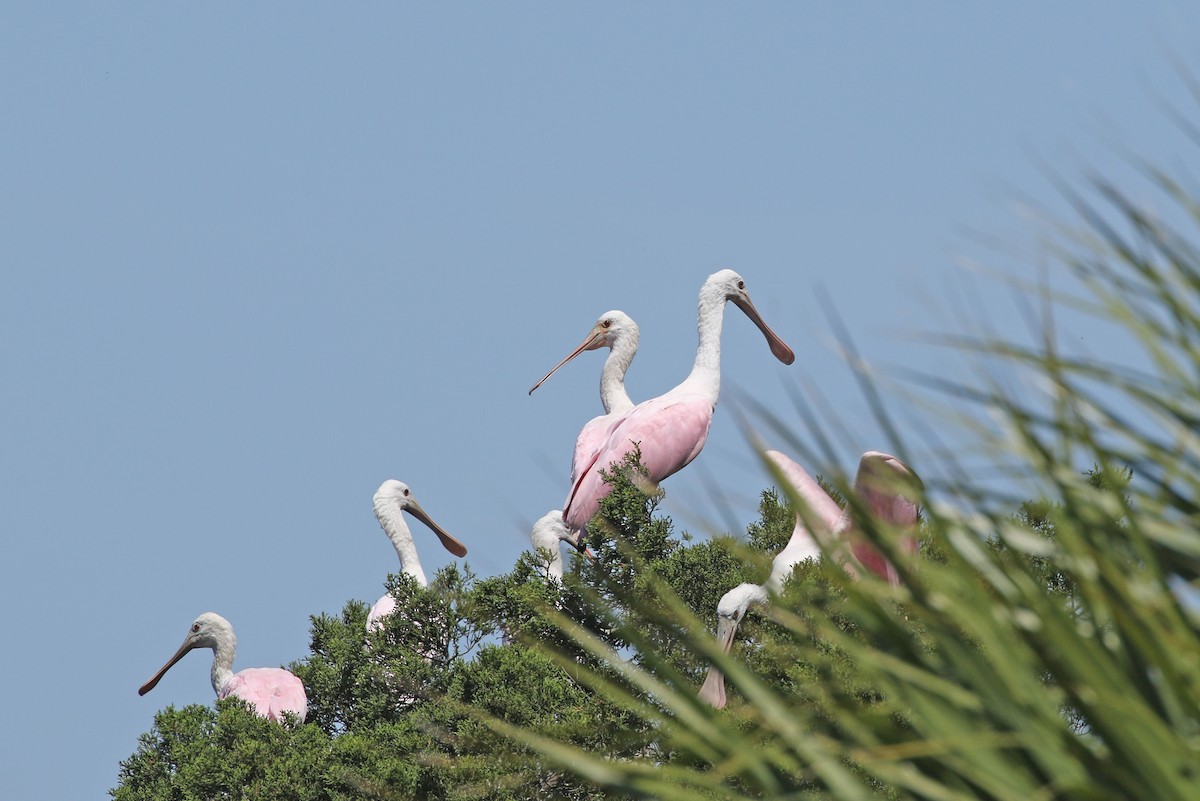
(271, 691)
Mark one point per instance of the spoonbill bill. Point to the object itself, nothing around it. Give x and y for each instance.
(619, 333)
(672, 428)
(883, 483)
(392, 499)
(270, 691)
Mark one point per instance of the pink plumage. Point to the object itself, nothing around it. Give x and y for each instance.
(271, 691)
(822, 511)
(670, 430)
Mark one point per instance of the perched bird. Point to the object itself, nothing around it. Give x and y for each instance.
(883, 483)
(672, 428)
(271, 691)
(392, 499)
(616, 331)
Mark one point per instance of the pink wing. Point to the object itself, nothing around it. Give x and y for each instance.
(589, 442)
(671, 431)
(271, 691)
(884, 484)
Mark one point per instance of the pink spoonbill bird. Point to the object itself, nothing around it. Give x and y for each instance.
(619, 333)
(270, 691)
(392, 499)
(672, 428)
(883, 483)
(824, 514)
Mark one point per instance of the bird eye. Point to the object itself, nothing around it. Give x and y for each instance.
(406, 493)
(608, 323)
(741, 284)
(195, 627)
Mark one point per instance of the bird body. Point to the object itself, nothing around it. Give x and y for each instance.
(270, 691)
(670, 430)
(391, 500)
(385, 606)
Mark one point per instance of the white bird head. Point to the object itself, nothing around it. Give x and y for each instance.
(733, 287)
(550, 530)
(730, 610)
(612, 329)
(210, 630)
(734, 604)
(613, 326)
(393, 494)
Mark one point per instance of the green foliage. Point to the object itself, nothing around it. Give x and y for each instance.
(410, 710)
(431, 707)
(333, 674)
(199, 753)
(774, 527)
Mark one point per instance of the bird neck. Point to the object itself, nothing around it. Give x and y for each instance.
(391, 518)
(756, 595)
(612, 379)
(706, 370)
(554, 568)
(800, 547)
(224, 649)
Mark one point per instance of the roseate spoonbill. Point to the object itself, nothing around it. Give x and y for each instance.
(392, 499)
(883, 483)
(825, 514)
(672, 428)
(619, 333)
(271, 691)
(547, 533)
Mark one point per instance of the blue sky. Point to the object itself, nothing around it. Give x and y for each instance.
(259, 259)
